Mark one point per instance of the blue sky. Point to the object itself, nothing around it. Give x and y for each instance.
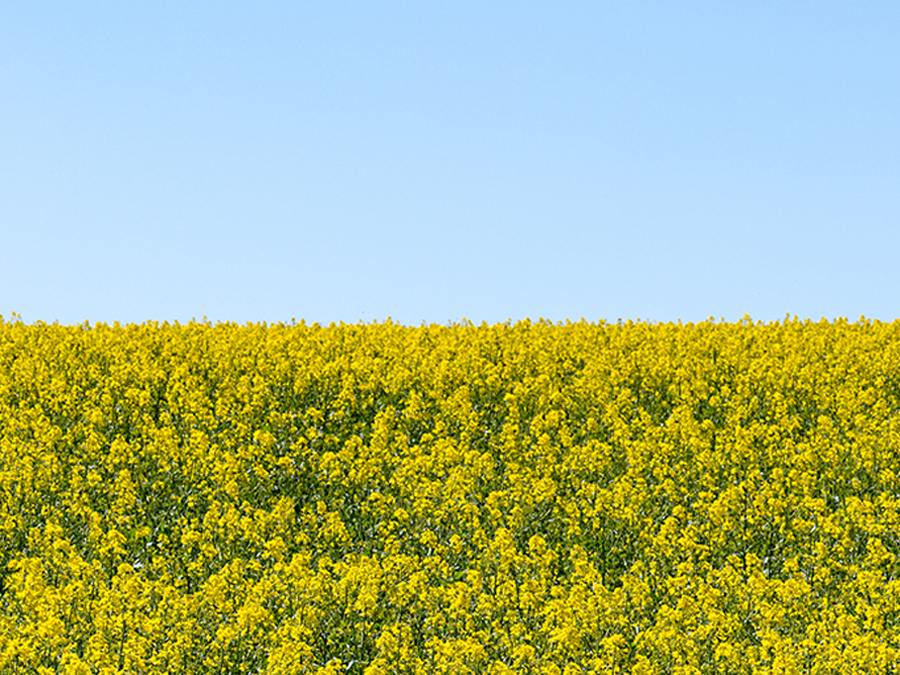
(433, 161)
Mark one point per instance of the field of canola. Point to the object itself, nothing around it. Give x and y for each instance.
(528, 498)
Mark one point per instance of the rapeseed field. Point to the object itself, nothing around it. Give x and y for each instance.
(518, 498)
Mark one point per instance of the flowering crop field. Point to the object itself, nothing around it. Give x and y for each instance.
(517, 498)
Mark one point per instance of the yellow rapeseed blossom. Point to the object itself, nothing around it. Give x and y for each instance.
(566, 499)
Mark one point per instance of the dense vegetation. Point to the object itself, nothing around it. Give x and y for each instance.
(569, 498)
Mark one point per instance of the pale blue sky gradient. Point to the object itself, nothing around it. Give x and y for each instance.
(432, 161)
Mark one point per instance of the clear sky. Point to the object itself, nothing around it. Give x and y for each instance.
(430, 161)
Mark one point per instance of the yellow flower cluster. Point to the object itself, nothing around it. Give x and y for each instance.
(519, 498)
